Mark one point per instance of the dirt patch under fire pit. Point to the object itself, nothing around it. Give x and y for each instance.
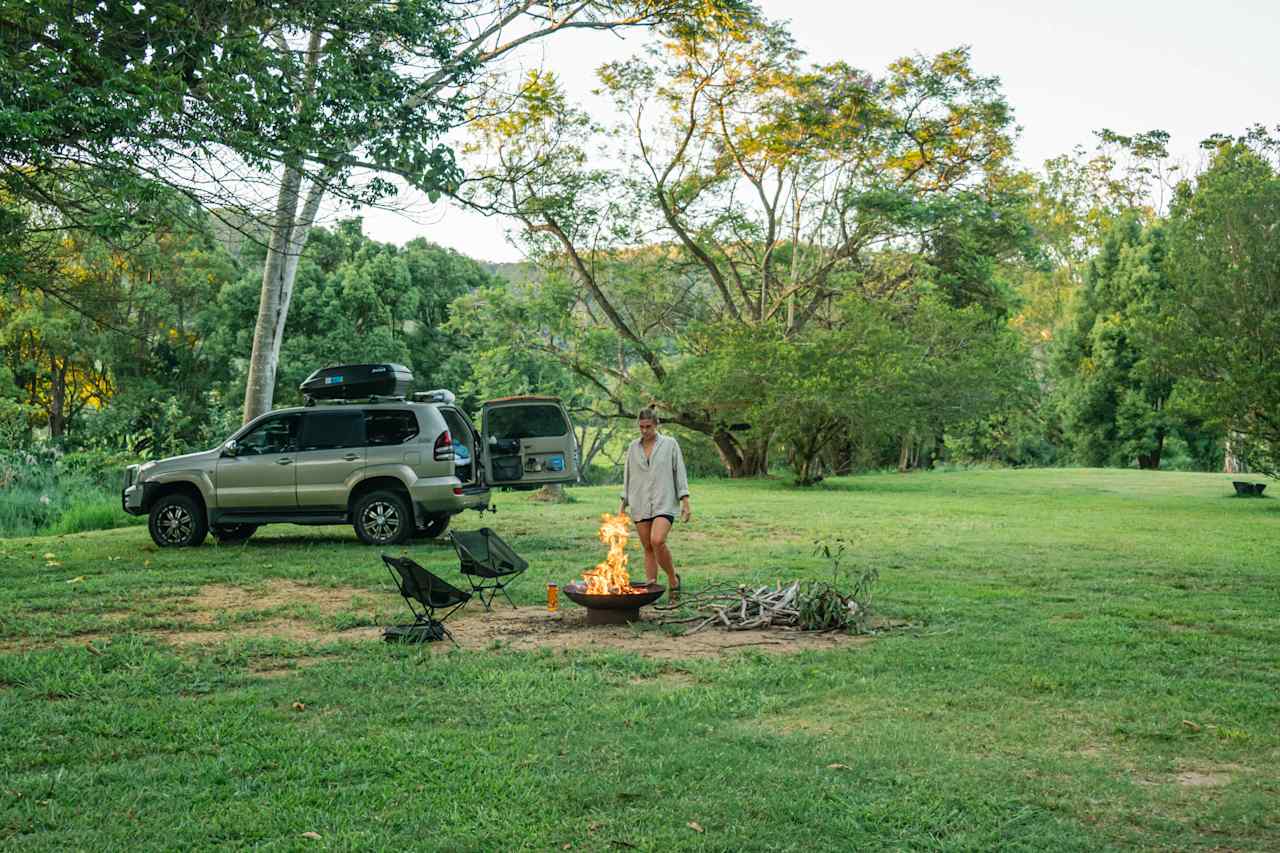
(531, 628)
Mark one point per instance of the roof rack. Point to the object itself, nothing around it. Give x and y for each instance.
(357, 401)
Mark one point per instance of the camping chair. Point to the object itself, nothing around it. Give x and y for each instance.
(417, 584)
(488, 562)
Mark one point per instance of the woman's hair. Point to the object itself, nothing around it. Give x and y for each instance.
(647, 414)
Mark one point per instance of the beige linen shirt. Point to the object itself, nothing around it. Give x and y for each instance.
(654, 486)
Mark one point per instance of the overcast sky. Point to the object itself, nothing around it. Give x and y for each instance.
(1067, 69)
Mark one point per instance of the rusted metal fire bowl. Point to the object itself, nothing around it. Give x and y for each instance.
(612, 609)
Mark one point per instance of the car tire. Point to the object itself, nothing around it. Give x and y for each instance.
(177, 521)
(233, 534)
(382, 518)
(435, 527)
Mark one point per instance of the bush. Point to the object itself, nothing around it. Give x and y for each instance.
(44, 491)
(93, 514)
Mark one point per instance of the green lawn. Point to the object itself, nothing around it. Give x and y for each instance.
(1092, 662)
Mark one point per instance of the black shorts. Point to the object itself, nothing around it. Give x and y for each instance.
(671, 519)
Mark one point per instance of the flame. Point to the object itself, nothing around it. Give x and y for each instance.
(610, 577)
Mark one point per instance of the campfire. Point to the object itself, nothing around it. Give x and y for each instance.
(606, 591)
(611, 577)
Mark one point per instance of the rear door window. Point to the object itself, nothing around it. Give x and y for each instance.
(390, 427)
(332, 430)
(526, 421)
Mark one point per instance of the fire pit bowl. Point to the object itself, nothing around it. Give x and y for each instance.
(613, 609)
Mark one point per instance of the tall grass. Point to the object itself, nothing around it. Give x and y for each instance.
(43, 491)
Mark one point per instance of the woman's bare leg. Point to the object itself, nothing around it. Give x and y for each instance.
(657, 536)
(650, 558)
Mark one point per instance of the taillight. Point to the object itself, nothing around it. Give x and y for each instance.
(443, 450)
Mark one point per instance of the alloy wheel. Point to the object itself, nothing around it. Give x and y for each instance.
(381, 520)
(175, 524)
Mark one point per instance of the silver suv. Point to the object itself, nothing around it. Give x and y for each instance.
(392, 469)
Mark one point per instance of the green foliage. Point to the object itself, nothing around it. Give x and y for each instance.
(43, 491)
(103, 343)
(1019, 438)
(691, 278)
(1223, 323)
(1117, 390)
(156, 89)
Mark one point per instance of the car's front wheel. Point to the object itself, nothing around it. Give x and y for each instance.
(382, 518)
(177, 521)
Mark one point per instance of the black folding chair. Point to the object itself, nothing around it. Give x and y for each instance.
(488, 562)
(417, 584)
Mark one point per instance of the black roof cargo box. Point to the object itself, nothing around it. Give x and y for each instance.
(357, 381)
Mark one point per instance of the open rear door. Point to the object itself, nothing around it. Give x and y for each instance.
(527, 441)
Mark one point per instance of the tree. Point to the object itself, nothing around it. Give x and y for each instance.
(510, 334)
(358, 301)
(115, 323)
(1116, 389)
(1223, 324)
(417, 81)
(762, 191)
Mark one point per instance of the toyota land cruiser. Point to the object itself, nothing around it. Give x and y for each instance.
(393, 468)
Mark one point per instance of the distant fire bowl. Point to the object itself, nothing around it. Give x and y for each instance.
(612, 609)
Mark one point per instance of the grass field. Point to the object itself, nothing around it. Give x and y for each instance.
(1090, 661)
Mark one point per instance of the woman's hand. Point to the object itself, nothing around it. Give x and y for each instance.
(686, 514)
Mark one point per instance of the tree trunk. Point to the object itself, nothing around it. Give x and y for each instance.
(1231, 461)
(1151, 461)
(842, 459)
(742, 460)
(289, 234)
(904, 454)
(58, 400)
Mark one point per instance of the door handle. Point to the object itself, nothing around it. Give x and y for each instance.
(284, 461)
(351, 457)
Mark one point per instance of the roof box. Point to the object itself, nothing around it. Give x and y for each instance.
(357, 381)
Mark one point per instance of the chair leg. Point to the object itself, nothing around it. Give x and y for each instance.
(503, 590)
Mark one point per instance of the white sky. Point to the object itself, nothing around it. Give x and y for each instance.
(1067, 69)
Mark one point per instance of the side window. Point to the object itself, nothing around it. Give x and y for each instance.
(332, 430)
(390, 427)
(274, 435)
(526, 421)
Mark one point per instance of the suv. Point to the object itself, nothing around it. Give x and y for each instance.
(392, 468)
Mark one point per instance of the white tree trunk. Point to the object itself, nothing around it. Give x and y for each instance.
(1231, 461)
(288, 237)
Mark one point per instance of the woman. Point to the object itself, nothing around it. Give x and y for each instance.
(653, 481)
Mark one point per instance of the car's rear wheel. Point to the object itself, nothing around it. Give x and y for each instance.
(177, 521)
(382, 518)
(434, 528)
(233, 534)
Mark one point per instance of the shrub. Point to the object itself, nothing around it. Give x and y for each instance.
(45, 491)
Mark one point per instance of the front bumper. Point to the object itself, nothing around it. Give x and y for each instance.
(135, 497)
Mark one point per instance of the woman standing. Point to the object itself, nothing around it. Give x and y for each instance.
(653, 481)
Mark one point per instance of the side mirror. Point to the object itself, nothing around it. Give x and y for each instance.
(230, 448)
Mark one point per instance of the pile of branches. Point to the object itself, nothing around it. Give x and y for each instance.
(796, 606)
